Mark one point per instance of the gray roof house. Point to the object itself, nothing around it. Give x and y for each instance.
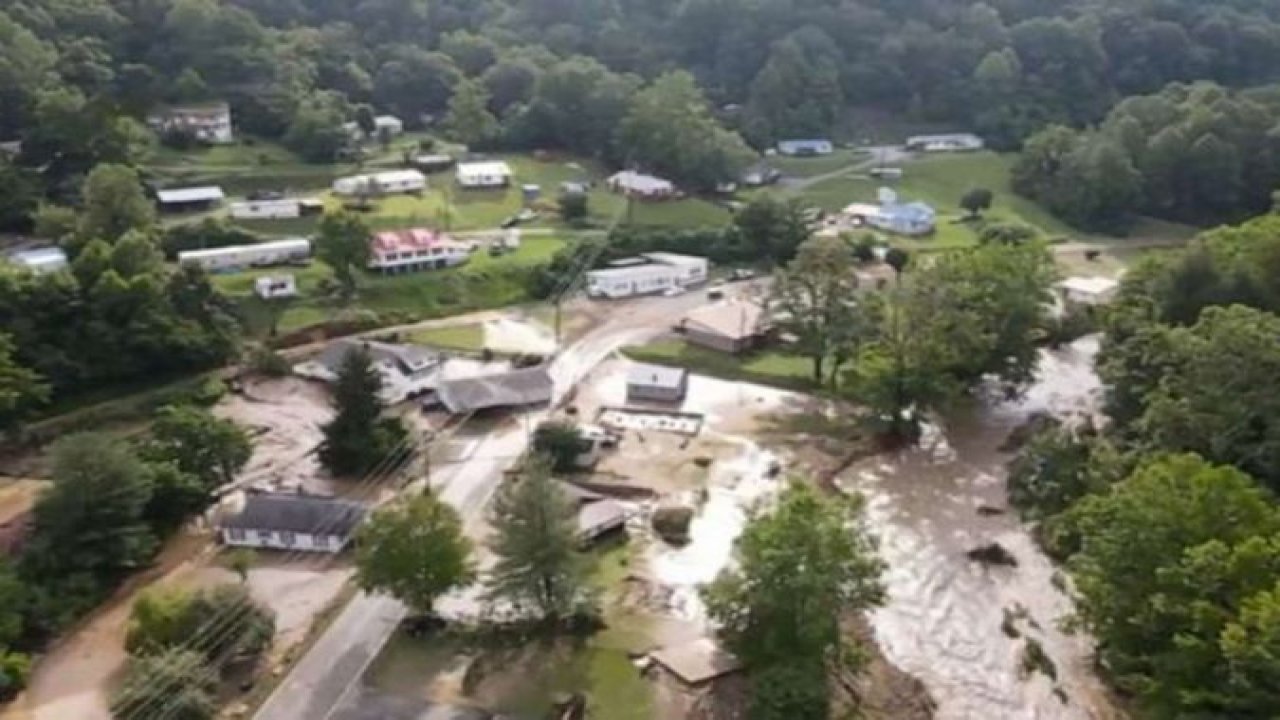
(514, 388)
(283, 521)
(406, 370)
(656, 383)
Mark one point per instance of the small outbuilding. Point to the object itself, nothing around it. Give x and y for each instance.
(281, 521)
(275, 287)
(657, 383)
(40, 261)
(642, 186)
(192, 199)
(484, 175)
(1088, 290)
(806, 148)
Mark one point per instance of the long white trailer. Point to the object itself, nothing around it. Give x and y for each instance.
(238, 257)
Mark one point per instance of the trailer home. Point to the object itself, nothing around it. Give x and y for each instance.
(238, 257)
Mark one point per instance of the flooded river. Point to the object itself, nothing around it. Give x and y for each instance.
(943, 620)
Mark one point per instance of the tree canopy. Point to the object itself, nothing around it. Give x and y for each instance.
(359, 438)
(415, 551)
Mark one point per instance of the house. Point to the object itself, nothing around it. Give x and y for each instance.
(656, 383)
(276, 209)
(40, 261)
(805, 148)
(639, 185)
(597, 514)
(429, 163)
(890, 215)
(1088, 291)
(281, 521)
(400, 251)
(210, 122)
(238, 257)
(484, 175)
(648, 274)
(190, 199)
(406, 370)
(731, 326)
(274, 287)
(512, 388)
(951, 142)
(390, 182)
(388, 125)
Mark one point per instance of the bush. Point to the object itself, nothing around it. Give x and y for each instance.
(208, 233)
(672, 522)
(265, 361)
(562, 442)
(15, 668)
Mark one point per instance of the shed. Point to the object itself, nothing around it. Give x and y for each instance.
(190, 199)
(482, 175)
(640, 185)
(657, 383)
(697, 662)
(280, 521)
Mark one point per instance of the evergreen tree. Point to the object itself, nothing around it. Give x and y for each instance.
(535, 540)
(358, 438)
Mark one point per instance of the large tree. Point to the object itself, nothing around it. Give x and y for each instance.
(771, 229)
(21, 389)
(114, 204)
(415, 551)
(535, 542)
(816, 295)
(804, 564)
(469, 120)
(174, 685)
(342, 243)
(223, 624)
(358, 438)
(210, 448)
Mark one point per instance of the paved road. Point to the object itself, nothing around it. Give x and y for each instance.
(324, 685)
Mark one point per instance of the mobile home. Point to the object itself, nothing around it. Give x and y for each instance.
(238, 257)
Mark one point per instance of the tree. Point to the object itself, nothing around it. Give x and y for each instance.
(19, 197)
(358, 438)
(210, 448)
(977, 200)
(1056, 468)
(670, 130)
(415, 551)
(574, 207)
(804, 563)
(773, 229)
(535, 542)
(316, 132)
(469, 120)
(342, 243)
(89, 529)
(815, 293)
(561, 443)
(366, 121)
(1174, 562)
(114, 204)
(166, 619)
(175, 685)
(21, 389)
(797, 93)
(240, 561)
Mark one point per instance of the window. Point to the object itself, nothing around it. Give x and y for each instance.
(287, 538)
(235, 534)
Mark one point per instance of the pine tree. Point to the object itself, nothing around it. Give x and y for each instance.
(359, 438)
(535, 541)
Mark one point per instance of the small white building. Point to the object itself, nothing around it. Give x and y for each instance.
(281, 521)
(238, 257)
(649, 274)
(210, 123)
(639, 185)
(399, 251)
(391, 182)
(279, 209)
(40, 261)
(484, 175)
(1088, 290)
(950, 142)
(190, 199)
(388, 124)
(275, 287)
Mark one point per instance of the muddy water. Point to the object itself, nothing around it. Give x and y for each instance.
(943, 618)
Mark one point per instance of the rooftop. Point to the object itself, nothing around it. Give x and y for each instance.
(525, 386)
(409, 358)
(488, 167)
(269, 246)
(298, 514)
(667, 258)
(39, 257)
(393, 241)
(656, 376)
(1092, 285)
(640, 182)
(731, 319)
(209, 193)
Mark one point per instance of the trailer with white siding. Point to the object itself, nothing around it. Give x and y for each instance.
(238, 257)
(284, 209)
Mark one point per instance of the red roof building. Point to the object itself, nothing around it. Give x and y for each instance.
(415, 249)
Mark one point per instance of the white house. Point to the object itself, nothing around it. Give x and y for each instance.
(390, 182)
(951, 142)
(209, 123)
(1088, 290)
(280, 521)
(40, 260)
(389, 124)
(634, 184)
(279, 209)
(649, 274)
(236, 257)
(190, 198)
(406, 370)
(481, 175)
(274, 287)
(398, 251)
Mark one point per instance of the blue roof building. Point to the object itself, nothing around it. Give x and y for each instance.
(914, 218)
(802, 148)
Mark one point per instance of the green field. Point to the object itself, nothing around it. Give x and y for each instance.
(767, 367)
(484, 282)
(803, 167)
(469, 337)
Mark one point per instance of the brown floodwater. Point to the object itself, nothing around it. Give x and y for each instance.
(943, 619)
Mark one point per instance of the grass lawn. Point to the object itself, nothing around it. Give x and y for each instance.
(468, 337)
(484, 282)
(803, 167)
(767, 367)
